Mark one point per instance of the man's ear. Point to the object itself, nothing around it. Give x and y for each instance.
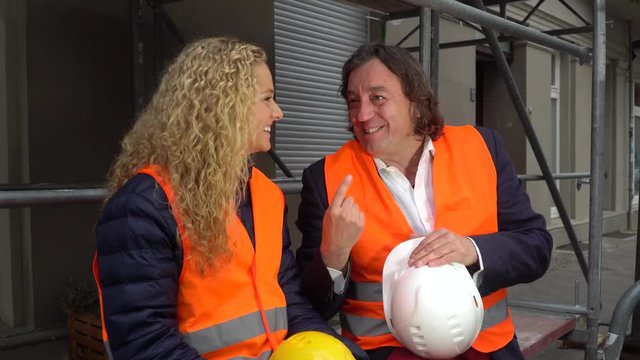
(415, 114)
(413, 111)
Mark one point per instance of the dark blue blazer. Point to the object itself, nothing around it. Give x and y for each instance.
(139, 264)
(519, 252)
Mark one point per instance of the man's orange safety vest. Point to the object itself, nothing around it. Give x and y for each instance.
(465, 198)
(239, 310)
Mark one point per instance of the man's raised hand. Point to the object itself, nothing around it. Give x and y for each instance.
(342, 226)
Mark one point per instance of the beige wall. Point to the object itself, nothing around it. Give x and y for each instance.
(621, 139)
(500, 114)
(456, 75)
(567, 136)
(615, 141)
(560, 12)
(581, 102)
(576, 99)
(531, 68)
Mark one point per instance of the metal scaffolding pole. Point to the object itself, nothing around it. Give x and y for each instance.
(593, 273)
(532, 177)
(620, 320)
(35, 196)
(536, 305)
(521, 110)
(435, 44)
(425, 41)
(632, 134)
(597, 179)
(485, 19)
(32, 197)
(558, 32)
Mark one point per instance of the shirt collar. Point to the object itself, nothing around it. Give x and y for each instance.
(428, 148)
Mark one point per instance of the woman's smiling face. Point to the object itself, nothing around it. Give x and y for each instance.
(266, 111)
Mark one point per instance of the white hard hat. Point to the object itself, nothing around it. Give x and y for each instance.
(436, 312)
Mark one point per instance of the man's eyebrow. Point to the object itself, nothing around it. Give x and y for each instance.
(378, 88)
(370, 89)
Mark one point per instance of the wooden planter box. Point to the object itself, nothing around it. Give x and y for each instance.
(85, 337)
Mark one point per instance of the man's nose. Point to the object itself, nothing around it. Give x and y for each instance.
(363, 111)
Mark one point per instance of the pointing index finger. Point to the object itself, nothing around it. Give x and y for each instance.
(340, 194)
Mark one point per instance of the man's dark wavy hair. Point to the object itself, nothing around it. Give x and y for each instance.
(428, 120)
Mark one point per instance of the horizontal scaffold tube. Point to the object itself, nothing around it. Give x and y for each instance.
(34, 196)
(471, 14)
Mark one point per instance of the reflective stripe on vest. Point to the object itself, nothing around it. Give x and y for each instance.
(235, 331)
(107, 349)
(96, 277)
(363, 326)
(264, 356)
(372, 292)
(464, 204)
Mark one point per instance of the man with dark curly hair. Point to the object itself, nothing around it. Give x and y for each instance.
(410, 176)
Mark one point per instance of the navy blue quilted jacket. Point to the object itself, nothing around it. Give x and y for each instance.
(139, 264)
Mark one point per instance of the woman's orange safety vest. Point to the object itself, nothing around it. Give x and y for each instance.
(238, 311)
(465, 198)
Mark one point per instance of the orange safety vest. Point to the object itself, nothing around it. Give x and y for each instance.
(465, 198)
(239, 310)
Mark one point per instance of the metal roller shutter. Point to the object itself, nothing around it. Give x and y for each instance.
(312, 41)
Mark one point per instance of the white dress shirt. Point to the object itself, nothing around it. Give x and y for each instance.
(416, 202)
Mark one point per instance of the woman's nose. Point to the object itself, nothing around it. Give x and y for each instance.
(277, 112)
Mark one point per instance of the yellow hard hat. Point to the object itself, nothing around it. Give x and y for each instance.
(312, 345)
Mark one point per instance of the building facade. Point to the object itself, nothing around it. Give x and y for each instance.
(66, 100)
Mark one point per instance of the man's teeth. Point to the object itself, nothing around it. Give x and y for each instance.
(372, 130)
(267, 129)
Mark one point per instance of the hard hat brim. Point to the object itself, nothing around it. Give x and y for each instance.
(395, 264)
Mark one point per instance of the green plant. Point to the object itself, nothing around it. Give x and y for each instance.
(81, 298)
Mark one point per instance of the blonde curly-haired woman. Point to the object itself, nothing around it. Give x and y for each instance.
(193, 256)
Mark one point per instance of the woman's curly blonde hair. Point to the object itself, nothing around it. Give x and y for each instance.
(197, 128)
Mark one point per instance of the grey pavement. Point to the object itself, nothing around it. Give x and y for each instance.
(559, 284)
(556, 287)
